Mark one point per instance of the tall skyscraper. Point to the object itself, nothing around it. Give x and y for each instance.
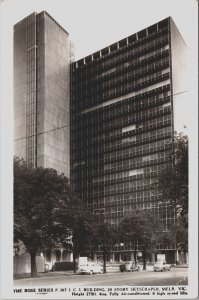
(123, 121)
(42, 92)
(111, 115)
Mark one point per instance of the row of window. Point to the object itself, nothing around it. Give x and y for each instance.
(88, 132)
(162, 211)
(148, 171)
(140, 72)
(82, 93)
(129, 53)
(136, 162)
(128, 209)
(121, 180)
(123, 199)
(113, 112)
(138, 150)
(85, 94)
(135, 96)
(134, 85)
(135, 117)
(139, 127)
(127, 170)
(166, 219)
(136, 63)
(127, 186)
(98, 148)
(136, 105)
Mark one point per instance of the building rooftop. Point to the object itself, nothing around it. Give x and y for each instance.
(41, 13)
(119, 44)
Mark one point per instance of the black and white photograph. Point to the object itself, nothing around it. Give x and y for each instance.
(99, 149)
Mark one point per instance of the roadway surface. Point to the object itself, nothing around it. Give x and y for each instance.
(177, 276)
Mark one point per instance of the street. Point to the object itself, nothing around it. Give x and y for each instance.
(177, 276)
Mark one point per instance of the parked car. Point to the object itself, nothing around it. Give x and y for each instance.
(90, 268)
(129, 266)
(161, 266)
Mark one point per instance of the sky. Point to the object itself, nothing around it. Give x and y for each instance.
(92, 25)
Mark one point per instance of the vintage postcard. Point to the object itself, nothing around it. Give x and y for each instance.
(99, 104)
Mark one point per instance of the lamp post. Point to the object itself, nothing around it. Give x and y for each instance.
(121, 245)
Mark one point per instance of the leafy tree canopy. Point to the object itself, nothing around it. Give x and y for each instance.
(104, 235)
(173, 180)
(46, 211)
(140, 227)
(177, 237)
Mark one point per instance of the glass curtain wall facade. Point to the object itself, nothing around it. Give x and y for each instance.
(42, 92)
(123, 124)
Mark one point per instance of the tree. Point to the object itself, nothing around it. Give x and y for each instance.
(81, 232)
(140, 227)
(177, 236)
(45, 209)
(75, 218)
(173, 180)
(104, 235)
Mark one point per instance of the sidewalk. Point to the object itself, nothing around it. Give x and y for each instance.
(46, 274)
